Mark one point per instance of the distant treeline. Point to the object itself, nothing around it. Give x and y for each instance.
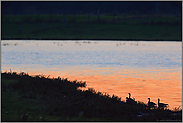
(92, 7)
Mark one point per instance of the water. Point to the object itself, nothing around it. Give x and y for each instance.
(144, 69)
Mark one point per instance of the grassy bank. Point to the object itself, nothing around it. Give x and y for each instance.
(40, 98)
(125, 27)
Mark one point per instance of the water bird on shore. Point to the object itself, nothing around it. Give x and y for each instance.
(129, 100)
(161, 105)
(151, 104)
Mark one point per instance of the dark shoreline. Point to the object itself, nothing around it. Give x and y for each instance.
(33, 27)
(58, 97)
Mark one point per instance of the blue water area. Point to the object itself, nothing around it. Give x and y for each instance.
(116, 66)
(97, 54)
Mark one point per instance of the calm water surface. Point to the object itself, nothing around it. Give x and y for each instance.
(144, 69)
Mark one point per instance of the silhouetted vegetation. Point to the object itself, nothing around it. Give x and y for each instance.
(120, 20)
(122, 27)
(40, 98)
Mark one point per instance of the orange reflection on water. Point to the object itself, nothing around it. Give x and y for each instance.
(141, 84)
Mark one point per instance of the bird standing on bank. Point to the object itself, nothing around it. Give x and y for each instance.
(151, 104)
(161, 105)
(130, 100)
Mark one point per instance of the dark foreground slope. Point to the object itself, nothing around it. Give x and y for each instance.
(39, 98)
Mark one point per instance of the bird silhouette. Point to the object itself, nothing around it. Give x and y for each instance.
(130, 100)
(151, 104)
(161, 105)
